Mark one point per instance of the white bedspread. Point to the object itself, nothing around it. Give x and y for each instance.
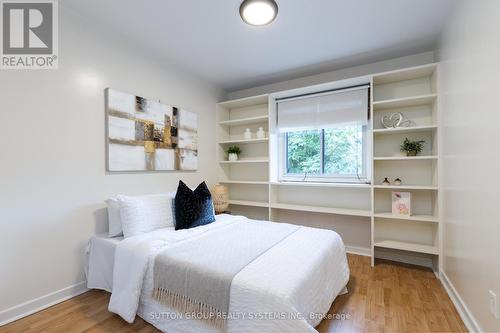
(287, 289)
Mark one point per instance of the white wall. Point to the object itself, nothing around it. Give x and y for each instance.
(346, 73)
(52, 143)
(471, 117)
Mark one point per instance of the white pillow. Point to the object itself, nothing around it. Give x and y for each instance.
(114, 218)
(145, 213)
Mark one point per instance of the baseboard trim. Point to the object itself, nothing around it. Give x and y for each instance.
(464, 312)
(404, 258)
(27, 308)
(360, 251)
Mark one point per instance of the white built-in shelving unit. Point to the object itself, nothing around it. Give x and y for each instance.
(247, 178)
(354, 210)
(413, 92)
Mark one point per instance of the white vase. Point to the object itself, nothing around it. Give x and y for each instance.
(260, 133)
(247, 135)
(233, 157)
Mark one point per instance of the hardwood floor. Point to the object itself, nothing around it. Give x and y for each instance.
(393, 297)
(388, 298)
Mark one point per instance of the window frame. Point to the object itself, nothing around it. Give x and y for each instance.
(362, 178)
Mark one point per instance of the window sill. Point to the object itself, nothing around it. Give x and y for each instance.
(322, 184)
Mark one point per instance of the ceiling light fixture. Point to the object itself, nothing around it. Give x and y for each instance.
(258, 12)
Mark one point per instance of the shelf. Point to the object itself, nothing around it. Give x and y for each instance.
(318, 209)
(341, 185)
(244, 141)
(248, 203)
(406, 187)
(244, 102)
(415, 129)
(249, 182)
(244, 161)
(408, 247)
(404, 102)
(404, 74)
(245, 121)
(405, 158)
(420, 218)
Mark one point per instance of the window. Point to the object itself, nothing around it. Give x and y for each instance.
(330, 154)
(324, 138)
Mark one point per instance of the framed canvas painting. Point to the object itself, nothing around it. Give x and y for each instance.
(401, 203)
(146, 135)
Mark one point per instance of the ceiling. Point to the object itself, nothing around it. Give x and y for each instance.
(308, 37)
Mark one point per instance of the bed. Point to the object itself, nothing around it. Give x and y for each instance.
(289, 288)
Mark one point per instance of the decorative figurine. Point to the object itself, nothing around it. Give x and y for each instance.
(386, 182)
(396, 120)
(247, 135)
(260, 133)
(397, 182)
(392, 121)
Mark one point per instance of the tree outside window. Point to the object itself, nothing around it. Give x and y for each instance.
(331, 152)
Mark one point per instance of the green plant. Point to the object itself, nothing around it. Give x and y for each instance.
(412, 147)
(234, 150)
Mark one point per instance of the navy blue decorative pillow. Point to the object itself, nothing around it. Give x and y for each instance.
(193, 208)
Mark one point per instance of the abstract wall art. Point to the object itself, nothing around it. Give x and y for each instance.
(145, 135)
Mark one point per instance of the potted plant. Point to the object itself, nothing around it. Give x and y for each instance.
(233, 153)
(412, 148)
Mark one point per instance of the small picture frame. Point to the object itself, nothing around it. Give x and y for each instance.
(401, 203)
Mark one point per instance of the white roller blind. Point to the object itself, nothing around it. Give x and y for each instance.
(342, 107)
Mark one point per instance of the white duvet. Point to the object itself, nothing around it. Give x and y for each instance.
(287, 289)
